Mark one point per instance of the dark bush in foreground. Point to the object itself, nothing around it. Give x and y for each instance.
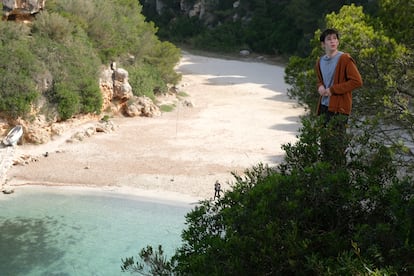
(306, 218)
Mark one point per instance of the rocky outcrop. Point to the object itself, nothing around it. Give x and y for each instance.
(118, 99)
(117, 93)
(204, 10)
(21, 9)
(141, 106)
(101, 126)
(118, 96)
(122, 88)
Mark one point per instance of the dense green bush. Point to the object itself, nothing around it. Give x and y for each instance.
(305, 217)
(73, 63)
(144, 79)
(18, 70)
(223, 38)
(311, 219)
(156, 71)
(386, 70)
(182, 29)
(67, 102)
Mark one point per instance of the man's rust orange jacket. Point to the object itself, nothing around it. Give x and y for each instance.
(346, 79)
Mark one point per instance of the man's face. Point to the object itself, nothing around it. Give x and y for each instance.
(330, 43)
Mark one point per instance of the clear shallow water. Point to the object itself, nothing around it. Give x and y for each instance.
(69, 233)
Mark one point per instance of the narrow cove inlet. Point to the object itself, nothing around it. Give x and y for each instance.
(50, 231)
(241, 116)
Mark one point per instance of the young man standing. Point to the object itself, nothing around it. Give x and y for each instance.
(337, 76)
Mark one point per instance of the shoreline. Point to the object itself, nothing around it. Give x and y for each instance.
(240, 117)
(161, 197)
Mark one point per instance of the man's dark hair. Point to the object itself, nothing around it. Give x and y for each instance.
(328, 32)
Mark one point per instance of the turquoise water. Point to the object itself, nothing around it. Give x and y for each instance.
(69, 233)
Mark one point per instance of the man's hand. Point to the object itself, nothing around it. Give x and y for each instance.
(321, 90)
(328, 92)
(324, 92)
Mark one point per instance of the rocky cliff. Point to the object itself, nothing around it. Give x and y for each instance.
(21, 9)
(204, 10)
(117, 95)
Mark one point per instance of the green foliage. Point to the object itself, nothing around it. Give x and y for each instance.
(156, 71)
(58, 56)
(306, 218)
(105, 118)
(53, 26)
(181, 29)
(264, 26)
(18, 68)
(223, 38)
(396, 16)
(182, 94)
(68, 102)
(167, 108)
(72, 62)
(309, 216)
(164, 56)
(386, 70)
(301, 76)
(145, 80)
(154, 263)
(119, 33)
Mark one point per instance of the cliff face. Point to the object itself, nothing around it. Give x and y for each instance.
(118, 98)
(204, 10)
(21, 9)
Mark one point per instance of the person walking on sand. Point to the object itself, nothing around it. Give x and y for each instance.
(217, 189)
(337, 76)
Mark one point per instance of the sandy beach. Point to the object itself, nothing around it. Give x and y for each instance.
(240, 116)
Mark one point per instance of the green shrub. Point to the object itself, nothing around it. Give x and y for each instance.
(182, 94)
(309, 219)
(72, 62)
(223, 38)
(53, 26)
(164, 57)
(304, 217)
(68, 102)
(167, 107)
(145, 79)
(18, 70)
(181, 29)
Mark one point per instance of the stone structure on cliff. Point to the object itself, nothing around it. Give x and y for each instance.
(21, 9)
(118, 97)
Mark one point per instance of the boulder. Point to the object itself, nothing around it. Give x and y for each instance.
(141, 106)
(22, 8)
(244, 53)
(106, 85)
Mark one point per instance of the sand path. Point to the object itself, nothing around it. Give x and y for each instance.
(241, 117)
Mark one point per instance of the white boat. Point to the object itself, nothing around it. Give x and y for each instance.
(13, 136)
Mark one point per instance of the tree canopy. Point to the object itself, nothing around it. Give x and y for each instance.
(384, 103)
(262, 26)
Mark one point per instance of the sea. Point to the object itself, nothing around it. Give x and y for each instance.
(49, 231)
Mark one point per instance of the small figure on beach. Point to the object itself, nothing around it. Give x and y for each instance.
(217, 189)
